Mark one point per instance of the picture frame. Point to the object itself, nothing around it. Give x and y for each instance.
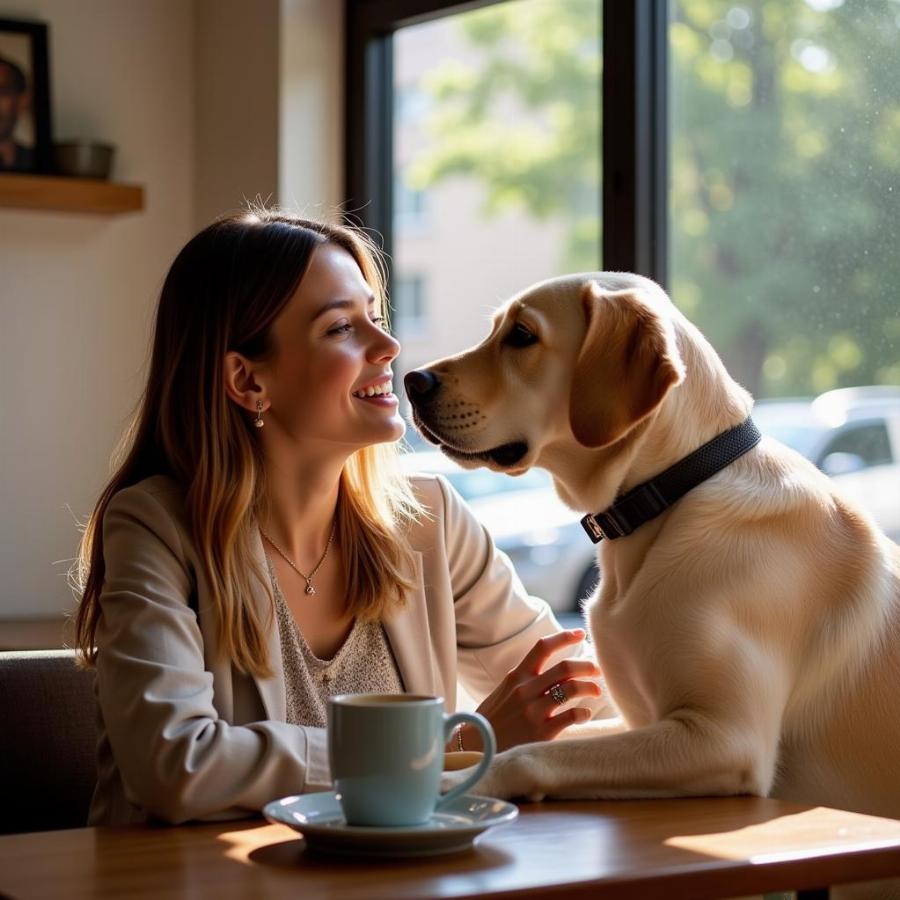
(25, 132)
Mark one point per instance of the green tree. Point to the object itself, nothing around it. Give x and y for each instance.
(547, 62)
(785, 170)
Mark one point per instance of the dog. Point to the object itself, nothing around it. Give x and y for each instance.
(749, 634)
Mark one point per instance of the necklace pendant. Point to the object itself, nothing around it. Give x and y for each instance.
(309, 588)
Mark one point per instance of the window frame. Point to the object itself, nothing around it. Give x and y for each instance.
(635, 127)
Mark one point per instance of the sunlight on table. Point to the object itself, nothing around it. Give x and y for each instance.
(754, 841)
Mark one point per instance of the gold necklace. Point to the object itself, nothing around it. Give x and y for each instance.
(308, 578)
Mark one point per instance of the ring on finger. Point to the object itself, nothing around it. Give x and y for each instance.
(558, 694)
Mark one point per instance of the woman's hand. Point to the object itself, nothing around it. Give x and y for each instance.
(521, 710)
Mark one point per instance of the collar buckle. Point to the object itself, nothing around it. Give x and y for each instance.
(648, 500)
(593, 529)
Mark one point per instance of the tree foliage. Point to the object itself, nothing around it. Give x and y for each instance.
(785, 167)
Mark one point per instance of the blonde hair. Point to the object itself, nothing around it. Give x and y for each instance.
(223, 292)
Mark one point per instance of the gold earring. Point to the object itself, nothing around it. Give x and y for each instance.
(258, 421)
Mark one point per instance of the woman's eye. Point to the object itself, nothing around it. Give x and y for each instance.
(346, 327)
(520, 336)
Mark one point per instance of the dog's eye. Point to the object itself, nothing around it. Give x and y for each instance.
(520, 336)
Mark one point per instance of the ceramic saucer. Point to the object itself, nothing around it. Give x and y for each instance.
(451, 829)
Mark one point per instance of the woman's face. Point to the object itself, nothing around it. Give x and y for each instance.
(329, 380)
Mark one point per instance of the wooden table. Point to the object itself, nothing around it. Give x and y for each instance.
(697, 848)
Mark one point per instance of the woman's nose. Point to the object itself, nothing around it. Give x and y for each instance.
(384, 347)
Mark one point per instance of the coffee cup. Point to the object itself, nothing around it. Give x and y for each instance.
(387, 752)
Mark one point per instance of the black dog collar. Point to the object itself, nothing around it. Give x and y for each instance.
(648, 500)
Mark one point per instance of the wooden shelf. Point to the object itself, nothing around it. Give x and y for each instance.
(85, 195)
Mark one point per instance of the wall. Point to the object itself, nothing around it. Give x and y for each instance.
(311, 110)
(236, 72)
(189, 92)
(78, 290)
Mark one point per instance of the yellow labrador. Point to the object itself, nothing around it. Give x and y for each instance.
(750, 633)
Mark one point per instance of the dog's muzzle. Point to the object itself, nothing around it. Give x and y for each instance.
(422, 389)
(421, 386)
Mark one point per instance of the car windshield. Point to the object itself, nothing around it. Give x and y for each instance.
(475, 483)
(791, 421)
(798, 436)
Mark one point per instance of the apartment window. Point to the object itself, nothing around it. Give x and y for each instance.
(410, 204)
(410, 303)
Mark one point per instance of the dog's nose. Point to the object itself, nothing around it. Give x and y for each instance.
(420, 384)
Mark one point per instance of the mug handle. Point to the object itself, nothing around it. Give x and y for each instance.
(490, 747)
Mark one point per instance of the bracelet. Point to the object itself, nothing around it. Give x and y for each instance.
(459, 743)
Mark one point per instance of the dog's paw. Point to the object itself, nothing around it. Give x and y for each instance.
(508, 777)
(451, 780)
(487, 785)
(520, 773)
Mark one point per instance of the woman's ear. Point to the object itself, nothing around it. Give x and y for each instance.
(627, 364)
(241, 384)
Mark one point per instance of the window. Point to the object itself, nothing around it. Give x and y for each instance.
(785, 174)
(773, 224)
(748, 160)
(494, 146)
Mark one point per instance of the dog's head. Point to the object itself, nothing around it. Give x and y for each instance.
(567, 359)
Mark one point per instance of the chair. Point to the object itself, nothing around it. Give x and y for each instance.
(48, 740)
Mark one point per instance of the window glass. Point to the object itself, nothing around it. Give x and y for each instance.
(496, 162)
(785, 182)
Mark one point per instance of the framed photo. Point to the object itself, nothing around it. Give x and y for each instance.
(25, 142)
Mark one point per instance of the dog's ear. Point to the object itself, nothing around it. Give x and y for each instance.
(627, 364)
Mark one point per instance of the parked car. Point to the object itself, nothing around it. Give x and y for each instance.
(542, 536)
(852, 435)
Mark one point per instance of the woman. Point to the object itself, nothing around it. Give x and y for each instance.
(257, 550)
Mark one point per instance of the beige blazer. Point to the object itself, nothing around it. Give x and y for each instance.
(183, 735)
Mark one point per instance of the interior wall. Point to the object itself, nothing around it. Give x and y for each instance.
(209, 102)
(311, 107)
(236, 74)
(78, 290)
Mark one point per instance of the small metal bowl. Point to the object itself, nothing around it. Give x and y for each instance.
(84, 159)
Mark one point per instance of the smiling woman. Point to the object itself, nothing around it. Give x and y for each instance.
(258, 550)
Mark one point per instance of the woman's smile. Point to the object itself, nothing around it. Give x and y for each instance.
(379, 393)
(386, 400)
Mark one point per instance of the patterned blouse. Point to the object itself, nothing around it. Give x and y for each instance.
(364, 664)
